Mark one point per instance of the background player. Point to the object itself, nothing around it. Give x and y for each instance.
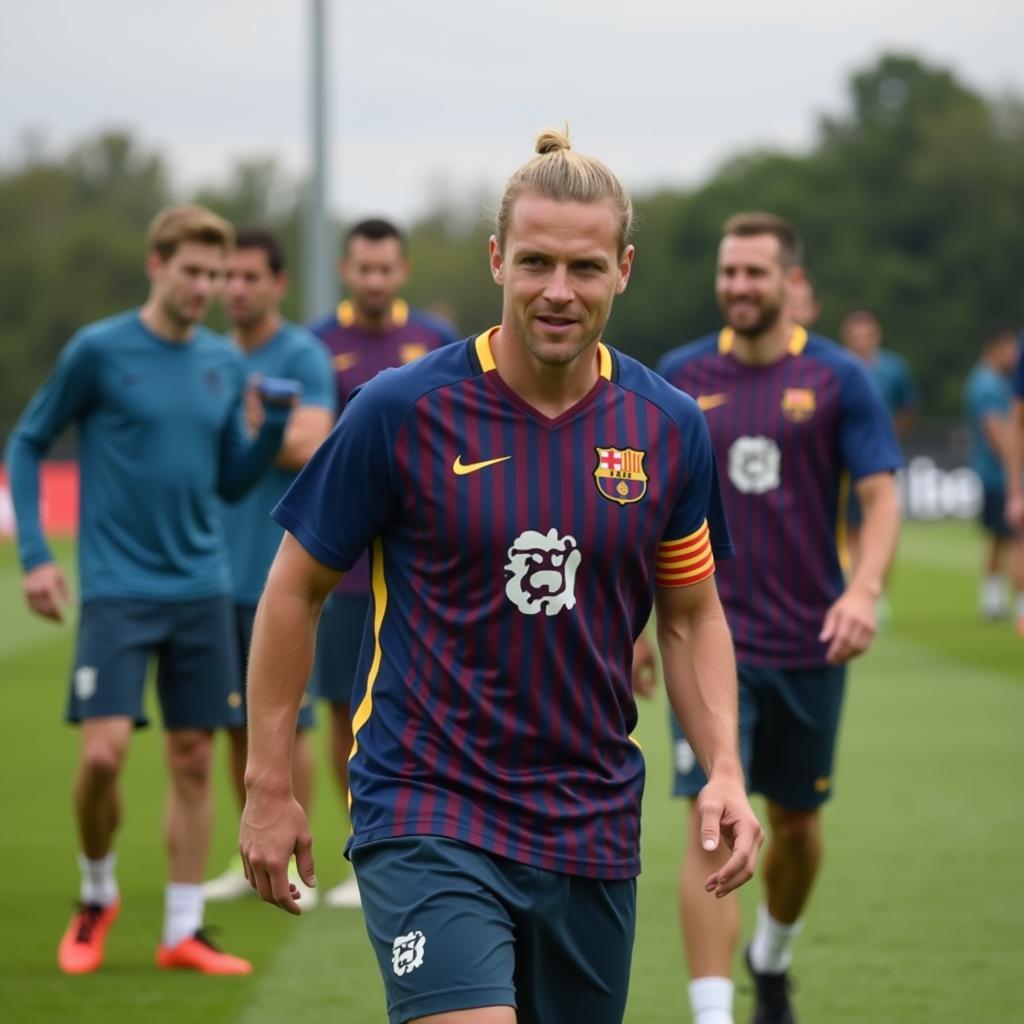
(789, 414)
(371, 330)
(861, 333)
(524, 492)
(157, 401)
(255, 286)
(988, 395)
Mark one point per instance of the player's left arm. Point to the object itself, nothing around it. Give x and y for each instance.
(311, 421)
(242, 461)
(700, 677)
(850, 624)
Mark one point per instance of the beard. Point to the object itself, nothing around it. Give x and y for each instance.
(767, 316)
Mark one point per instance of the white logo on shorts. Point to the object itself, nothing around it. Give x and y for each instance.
(685, 757)
(754, 464)
(543, 572)
(85, 682)
(407, 952)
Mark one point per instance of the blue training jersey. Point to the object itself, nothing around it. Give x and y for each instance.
(892, 374)
(358, 355)
(513, 559)
(159, 434)
(787, 436)
(252, 536)
(986, 393)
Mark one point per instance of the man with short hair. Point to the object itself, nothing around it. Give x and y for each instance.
(157, 401)
(371, 330)
(526, 494)
(988, 395)
(790, 415)
(277, 353)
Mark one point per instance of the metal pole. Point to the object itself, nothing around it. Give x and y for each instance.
(319, 275)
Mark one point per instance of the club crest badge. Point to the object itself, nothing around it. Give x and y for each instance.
(411, 351)
(798, 404)
(620, 475)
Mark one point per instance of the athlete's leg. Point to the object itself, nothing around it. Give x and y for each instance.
(97, 792)
(237, 750)
(478, 1015)
(303, 770)
(341, 745)
(791, 860)
(189, 803)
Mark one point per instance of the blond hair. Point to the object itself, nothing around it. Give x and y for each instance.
(563, 175)
(187, 222)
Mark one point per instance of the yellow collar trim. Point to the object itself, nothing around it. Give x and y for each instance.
(482, 345)
(346, 313)
(797, 340)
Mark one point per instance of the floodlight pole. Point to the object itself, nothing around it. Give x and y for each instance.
(319, 275)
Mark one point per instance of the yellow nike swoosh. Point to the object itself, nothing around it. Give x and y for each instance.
(461, 468)
(706, 402)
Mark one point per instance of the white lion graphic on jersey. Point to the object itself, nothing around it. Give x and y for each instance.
(543, 568)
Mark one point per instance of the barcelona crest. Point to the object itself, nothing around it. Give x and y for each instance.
(798, 404)
(620, 474)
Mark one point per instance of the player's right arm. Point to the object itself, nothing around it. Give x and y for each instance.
(700, 677)
(67, 394)
(274, 826)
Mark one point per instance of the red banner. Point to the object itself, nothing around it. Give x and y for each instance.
(58, 500)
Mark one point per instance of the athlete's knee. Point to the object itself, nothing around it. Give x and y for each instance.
(189, 756)
(103, 753)
(798, 830)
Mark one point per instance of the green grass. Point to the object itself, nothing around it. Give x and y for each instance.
(916, 917)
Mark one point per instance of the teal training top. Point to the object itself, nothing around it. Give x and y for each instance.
(252, 536)
(160, 435)
(986, 393)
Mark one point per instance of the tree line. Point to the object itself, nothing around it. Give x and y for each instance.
(910, 201)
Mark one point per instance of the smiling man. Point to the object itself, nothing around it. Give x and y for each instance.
(157, 402)
(526, 495)
(792, 419)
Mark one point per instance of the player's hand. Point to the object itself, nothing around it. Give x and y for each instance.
(273, 829)
(46, 591)
(1015, 512)
(849, 625)
(252, 408)
(725, 815)
(645, 668)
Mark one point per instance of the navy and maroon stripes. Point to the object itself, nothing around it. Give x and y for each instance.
(486, 722)
(811, 410)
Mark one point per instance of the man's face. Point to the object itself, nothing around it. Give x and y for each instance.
(251, 289)
(801, 303)
(1007, 351)
(560, 271)
(373, 272)
(186, 282)
(862, 335)
(750, 283)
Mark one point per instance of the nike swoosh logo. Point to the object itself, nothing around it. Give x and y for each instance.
(705, 402)
(460, 468)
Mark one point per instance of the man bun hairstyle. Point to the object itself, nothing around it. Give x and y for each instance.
(187, 222)
(558, 172)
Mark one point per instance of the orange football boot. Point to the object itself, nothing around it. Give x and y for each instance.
(81, 949)
(198, 953)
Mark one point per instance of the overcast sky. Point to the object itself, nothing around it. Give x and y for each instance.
(440, 97)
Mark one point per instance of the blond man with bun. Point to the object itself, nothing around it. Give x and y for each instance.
(156, 399)
(526, 495)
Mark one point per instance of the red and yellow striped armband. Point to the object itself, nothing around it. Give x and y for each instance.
(686, 561)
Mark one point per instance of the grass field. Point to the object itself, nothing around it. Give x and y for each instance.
(917, 917)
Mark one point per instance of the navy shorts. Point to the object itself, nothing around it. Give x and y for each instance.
(789, 722)
(993, 513)
(339, 639)
(245, 615)
(455, 927)
(197, 661)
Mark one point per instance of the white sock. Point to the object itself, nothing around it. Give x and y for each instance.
(98, 882)
(994, 599)
(183, 912)
(771, 948)
(711, 1000)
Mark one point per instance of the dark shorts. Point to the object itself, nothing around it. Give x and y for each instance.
(245, 615)
(454, 927)
(197, 661)
(338, 641)
(789, 722)
(993, 513)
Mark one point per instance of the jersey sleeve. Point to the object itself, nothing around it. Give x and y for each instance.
(867, 440)
(907, 396)
(312, 369)
(348, 491)
(68, 394)
(697, 532)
